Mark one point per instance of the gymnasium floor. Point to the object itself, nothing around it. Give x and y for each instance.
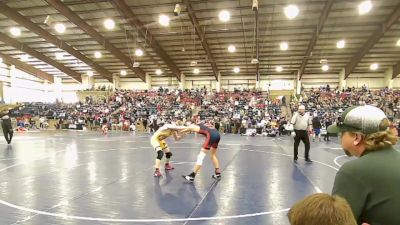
(71, 177)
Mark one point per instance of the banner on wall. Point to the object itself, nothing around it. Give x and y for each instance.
(277, 85)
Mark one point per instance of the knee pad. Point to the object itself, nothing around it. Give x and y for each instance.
(200, 158)
(168, 155)
(160, 154)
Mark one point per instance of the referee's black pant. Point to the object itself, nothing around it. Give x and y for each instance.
(8, 133)
(303, 136)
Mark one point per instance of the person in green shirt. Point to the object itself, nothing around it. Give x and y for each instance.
(371, 183)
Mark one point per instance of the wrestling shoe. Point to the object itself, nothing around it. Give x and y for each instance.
(188, 178)
(169, 166)
(157, 173)
(216, 176)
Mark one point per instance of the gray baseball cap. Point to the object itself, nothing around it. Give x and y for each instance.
(364, 119)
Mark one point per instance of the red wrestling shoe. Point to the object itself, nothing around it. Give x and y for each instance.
(157, 173)
(169, 166)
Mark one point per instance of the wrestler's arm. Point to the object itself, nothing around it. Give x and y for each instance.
(177, 135)
(191, 128)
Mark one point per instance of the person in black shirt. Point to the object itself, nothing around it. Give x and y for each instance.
(144, 121)
(317, 128)
(282, 124)
(328, 122)
(6, 126)
(217, 125)
(91, 122)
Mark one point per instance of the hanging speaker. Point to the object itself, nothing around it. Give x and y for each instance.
(255, 5)
(48, 20)
(177, 10)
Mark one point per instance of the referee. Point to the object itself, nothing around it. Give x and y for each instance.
(302, 123)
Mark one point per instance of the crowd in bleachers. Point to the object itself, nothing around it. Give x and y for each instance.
(246, 112)
(326, 104)
(227, 109)
(119, 110)
(243, 110)
(231, 111)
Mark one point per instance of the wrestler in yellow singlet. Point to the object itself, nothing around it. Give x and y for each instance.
(161, 147)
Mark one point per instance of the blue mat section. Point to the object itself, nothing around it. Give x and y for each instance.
(67, 177)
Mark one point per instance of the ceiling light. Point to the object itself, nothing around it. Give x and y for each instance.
(224, 16)
(325, 67)
(284, 46)
(136, 64)
(24, 58)
(364, 7)
(60, 28)
(279, 69)
(374, 66)
(231, 48)
(291, 11)
(15, 31)
(109, 24)
(139, 52)
(323, 61)
(236, 70)
(163, 20)
(123, 72)
(254, 61)
(398, 43)
(193, 63)
(97, 54)
(89, 73)
(341, 44)
(158, 72)
(59, 56)
(196, 71)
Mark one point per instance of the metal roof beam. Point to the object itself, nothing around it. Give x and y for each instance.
(376, 36)
(24, 48)
(74, 18)
(317, 32)
(201, 35)
(27, 68)
(21, 20)
(396, 70)
(134, 22)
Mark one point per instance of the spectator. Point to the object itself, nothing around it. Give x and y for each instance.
(316, 123)
(321, 209)
(144, 121)
(370, 183)
(328, 122)
(132, 128)
(6, 126)
(217, 124)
